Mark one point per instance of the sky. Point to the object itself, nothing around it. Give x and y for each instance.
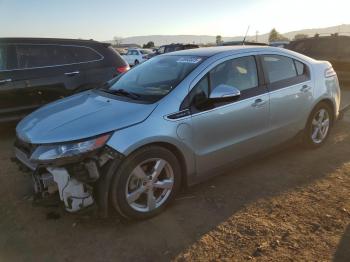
(104, 19)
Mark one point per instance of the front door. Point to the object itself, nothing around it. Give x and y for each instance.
(225, 132)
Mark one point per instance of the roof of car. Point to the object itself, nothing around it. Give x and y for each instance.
(211, 51)
(34, 40)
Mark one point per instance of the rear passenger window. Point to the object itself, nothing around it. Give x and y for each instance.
(279, 68)
(33, 56)
(3, 57)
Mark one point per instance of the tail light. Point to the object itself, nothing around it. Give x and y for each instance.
(123, 69)
(329, 72)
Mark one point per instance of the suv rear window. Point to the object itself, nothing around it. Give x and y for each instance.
(33, 56)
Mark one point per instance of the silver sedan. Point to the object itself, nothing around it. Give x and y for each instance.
(175, 120)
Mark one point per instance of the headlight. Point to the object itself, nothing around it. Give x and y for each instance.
(52, 152)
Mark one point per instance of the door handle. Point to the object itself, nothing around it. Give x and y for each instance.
(5, 81)
(72, 73)
(258, 103)
(305, 88)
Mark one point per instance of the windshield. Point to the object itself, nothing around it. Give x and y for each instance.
(154, 79)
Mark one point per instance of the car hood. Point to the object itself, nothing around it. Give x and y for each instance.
(80, 116)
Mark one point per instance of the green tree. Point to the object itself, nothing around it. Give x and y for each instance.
(276, 36)
(150, 44)
(219, 40)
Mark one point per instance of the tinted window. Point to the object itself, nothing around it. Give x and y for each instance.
(161, 50)
(3, 57)
(240, 73)
(279, 68)
(31, 56)
(155, 78)
(80, 54)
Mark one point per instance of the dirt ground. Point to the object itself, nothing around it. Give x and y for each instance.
(293, 205)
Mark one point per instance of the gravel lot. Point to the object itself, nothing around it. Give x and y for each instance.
(291, 205)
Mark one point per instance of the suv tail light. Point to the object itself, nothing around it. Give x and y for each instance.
(123, 69)
(329, 72)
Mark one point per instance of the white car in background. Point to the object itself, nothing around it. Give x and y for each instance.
(137, 56)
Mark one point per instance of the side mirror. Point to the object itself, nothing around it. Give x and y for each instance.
(223, 93)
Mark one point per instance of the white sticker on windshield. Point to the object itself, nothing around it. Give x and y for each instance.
(189, 60)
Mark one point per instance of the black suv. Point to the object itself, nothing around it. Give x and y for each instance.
(35, 71)
(335, 49)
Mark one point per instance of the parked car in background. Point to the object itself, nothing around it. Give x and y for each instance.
(36, 71)
(335, 49)
(176, 119)
(137, 56)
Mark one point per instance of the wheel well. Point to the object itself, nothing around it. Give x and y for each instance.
(330, 104)
(178, 155)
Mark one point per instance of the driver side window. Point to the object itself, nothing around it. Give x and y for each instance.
(240, 73)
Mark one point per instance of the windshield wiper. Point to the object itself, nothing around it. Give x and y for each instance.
(122, 92)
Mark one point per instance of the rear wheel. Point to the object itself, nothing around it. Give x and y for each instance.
(318, 126)
(146, 183)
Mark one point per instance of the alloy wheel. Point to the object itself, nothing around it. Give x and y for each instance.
(149, 185)
(320, 126)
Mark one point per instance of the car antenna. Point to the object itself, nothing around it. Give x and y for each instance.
(243, 42)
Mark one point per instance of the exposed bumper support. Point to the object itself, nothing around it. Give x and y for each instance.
(73, 193)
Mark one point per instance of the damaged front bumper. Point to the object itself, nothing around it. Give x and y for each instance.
(74, 179)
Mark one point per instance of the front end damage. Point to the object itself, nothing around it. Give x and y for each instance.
(80, 180)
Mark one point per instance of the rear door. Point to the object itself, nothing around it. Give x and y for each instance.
(290, 89)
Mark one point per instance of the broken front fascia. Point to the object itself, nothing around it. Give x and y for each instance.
(74, 177)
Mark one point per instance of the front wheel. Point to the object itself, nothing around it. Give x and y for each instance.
(136, 62)
(318, 126)
(145, 183)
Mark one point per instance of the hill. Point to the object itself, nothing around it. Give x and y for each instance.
(205, 39)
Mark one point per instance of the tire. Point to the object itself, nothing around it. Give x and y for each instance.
(313, 138)
(138, 190)
(136, 62)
